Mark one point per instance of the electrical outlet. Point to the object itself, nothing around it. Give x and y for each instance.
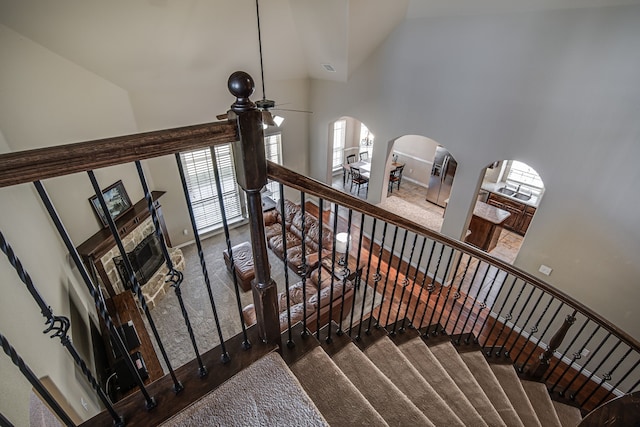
(185, 231)
(546, 270)
(84, 404)
(585, 352)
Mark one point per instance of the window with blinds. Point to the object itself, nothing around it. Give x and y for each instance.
(339, 136)
(273, 151)
(201, 185)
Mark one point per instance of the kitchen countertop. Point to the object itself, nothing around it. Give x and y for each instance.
(494, 186)
(490, 213)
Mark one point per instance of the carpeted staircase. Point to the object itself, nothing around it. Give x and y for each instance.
(382, 380)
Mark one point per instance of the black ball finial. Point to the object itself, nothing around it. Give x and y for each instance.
(241, 86)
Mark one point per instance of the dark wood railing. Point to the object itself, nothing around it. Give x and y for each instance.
(413, 277)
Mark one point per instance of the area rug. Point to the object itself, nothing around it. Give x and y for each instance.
(425, 218)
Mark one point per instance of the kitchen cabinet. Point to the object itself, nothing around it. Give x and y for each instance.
(521, 213)
(486, 225)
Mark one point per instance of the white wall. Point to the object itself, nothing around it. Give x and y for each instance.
(47, 100)
(558, 90)
(37, 245)
(417, 153)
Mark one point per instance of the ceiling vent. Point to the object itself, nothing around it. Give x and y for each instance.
(329, 68)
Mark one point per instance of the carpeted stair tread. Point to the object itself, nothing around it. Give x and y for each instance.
(539, 398)
(484, 375)
(448, 356)
(386, 398)
(336, 397)
(569, 416)
(392, 363)
(510, 383)
(265, 393)
(417, 352)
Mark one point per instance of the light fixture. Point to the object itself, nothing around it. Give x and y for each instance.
(342, 241)
(278, 120)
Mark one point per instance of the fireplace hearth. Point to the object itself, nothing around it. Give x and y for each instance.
(146, 259)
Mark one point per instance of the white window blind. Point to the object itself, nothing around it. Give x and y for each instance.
(273, 151)
(201, 185)
(339, 129)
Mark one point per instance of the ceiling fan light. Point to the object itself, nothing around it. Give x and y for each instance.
(278, 120)
(267, 118)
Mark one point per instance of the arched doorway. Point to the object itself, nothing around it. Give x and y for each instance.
(418, 156)
(517, 188)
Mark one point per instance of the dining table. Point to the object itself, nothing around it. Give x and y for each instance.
(364, 166)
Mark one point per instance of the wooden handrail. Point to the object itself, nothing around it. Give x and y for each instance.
(32, 165)
(622, 411)
(316, 188)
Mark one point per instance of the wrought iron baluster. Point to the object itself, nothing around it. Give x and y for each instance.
(464, 304)
(577, 355)
(544, 332)
(332, 274)
(4, 422)
(456, 294)
(320, 228)
(481, 306)
(504, 302)
(583, 367)
(305, 266)
(446, 298)
(564, 353)
(430, 288)
(94, 292)
(346, 272)
(395, 282)
(37, 385)
(484, 323)
(413, 286)
(174, 277)
(405, 284)
(286, 270)
(58, 326)
(620, 381)
(442, 285)
(422, 287)
(177, 386)
(359, 277)
(376, 276)
(606, 376)
(386, 278)
(224, 357)
(534, 328)
(515, 322)
(366, 280)
(507, 317)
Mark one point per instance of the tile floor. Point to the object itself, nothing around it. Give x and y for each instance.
(508, 244)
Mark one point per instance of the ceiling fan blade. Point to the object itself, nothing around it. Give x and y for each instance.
(295, 111)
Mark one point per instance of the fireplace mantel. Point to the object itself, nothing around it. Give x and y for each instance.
(100, 243)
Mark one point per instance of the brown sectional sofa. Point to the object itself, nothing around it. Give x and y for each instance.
(292, 217)
(312, 311)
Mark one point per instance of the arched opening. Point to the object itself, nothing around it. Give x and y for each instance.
(350, 145)
(514, 187)
(418, 159)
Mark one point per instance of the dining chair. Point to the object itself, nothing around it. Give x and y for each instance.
(364, 155)
(346, 171)
(359, 179)
(395, 177)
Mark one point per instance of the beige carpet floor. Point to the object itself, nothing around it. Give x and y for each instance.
(264, 394)
(413, 213)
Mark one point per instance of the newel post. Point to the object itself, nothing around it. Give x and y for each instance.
(251, 174)
(542, 364)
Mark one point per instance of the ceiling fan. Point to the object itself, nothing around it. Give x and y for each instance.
(264, 104)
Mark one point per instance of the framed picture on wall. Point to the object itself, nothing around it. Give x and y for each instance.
(117, 201)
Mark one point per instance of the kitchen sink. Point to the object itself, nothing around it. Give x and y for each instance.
(507, 191)
(522, 196)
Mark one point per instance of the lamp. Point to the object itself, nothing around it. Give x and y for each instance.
(342, 241)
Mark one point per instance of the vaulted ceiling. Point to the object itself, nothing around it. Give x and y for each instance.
(145, 44)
